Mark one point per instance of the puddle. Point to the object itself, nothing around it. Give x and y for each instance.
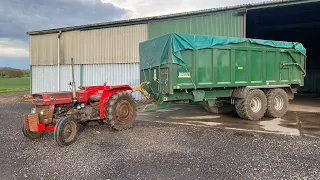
(293, 123)
(274, 125)
(195, 117)
(205, 123)
(168, 110)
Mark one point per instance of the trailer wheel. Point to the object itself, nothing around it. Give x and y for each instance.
(277, 103)
(32, 135)
(120, 111)
(253, 107)
(65, 132)
(218, 108)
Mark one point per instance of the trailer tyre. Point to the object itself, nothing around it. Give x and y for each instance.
(65, 132)
(253, 107)
(32, 135)
(120, 111)
(218, 108)
(278, 102)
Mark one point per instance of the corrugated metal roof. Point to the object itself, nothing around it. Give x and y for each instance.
(154, 18)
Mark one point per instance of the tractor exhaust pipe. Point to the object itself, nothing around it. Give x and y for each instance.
(73, 83)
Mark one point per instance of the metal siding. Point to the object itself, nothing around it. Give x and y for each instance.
(44, 49)
(103, 46)
(113, 74)
(227, 23)
(66, 76)
(44, 78)
(100, 46)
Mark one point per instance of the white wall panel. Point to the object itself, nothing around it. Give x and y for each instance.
(44, 78)
(113, 74)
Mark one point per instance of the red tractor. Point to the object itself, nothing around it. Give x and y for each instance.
(62, 111)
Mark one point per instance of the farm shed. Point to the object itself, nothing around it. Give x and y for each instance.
(109, 51)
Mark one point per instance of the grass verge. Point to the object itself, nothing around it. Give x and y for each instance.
(14, 84)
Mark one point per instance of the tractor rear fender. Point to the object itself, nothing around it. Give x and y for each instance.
(109, 91)
(241, 92)
(123, 87)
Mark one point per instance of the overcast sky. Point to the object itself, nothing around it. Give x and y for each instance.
(19, 16)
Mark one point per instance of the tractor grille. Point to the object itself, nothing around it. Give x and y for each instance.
(31, 122)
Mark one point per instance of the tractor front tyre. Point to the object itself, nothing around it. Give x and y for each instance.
(120, 111)
(253, 106)
(32, 135)
(65, 131)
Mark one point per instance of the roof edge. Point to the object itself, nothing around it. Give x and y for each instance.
(143, 20)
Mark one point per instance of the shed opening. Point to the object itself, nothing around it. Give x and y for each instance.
(297, 23)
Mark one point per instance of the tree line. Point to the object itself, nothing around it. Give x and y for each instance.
(7, 72)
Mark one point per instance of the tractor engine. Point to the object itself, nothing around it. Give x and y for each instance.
(81, 112)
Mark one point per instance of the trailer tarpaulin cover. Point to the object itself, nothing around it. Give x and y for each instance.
(166, 49)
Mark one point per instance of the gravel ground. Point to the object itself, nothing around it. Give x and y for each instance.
(153, 151)
(11, 97)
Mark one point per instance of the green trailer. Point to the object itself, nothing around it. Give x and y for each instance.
(255, 77)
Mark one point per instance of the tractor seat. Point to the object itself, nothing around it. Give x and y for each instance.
(97, 97)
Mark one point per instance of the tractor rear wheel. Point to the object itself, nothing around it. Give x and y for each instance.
(32, 135)
(65, 131)
(120, 111)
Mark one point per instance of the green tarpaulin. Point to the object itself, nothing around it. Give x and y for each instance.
(166, 49)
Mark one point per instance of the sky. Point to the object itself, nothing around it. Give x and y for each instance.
(20, 16)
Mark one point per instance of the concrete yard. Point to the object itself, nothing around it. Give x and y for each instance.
(181, 142)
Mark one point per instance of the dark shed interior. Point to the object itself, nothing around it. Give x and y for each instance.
(298, 23)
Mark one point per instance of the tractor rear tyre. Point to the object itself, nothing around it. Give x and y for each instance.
(253, 106)
(120, 111)
(65, 131)
(32, 135)
(277, 103)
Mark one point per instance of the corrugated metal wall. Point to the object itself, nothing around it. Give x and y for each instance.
(103, 46)
(44, 49)
(112, 54)
(226, 23)
(100, 46)
(113, 74)
(44, 78)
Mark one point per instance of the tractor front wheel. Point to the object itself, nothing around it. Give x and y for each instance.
(65, 132)
(120, 111)
(32, 135)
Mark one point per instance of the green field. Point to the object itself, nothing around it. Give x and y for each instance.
(14, 84)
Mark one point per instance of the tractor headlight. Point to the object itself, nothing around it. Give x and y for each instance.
(33, 110)
(44, 113)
